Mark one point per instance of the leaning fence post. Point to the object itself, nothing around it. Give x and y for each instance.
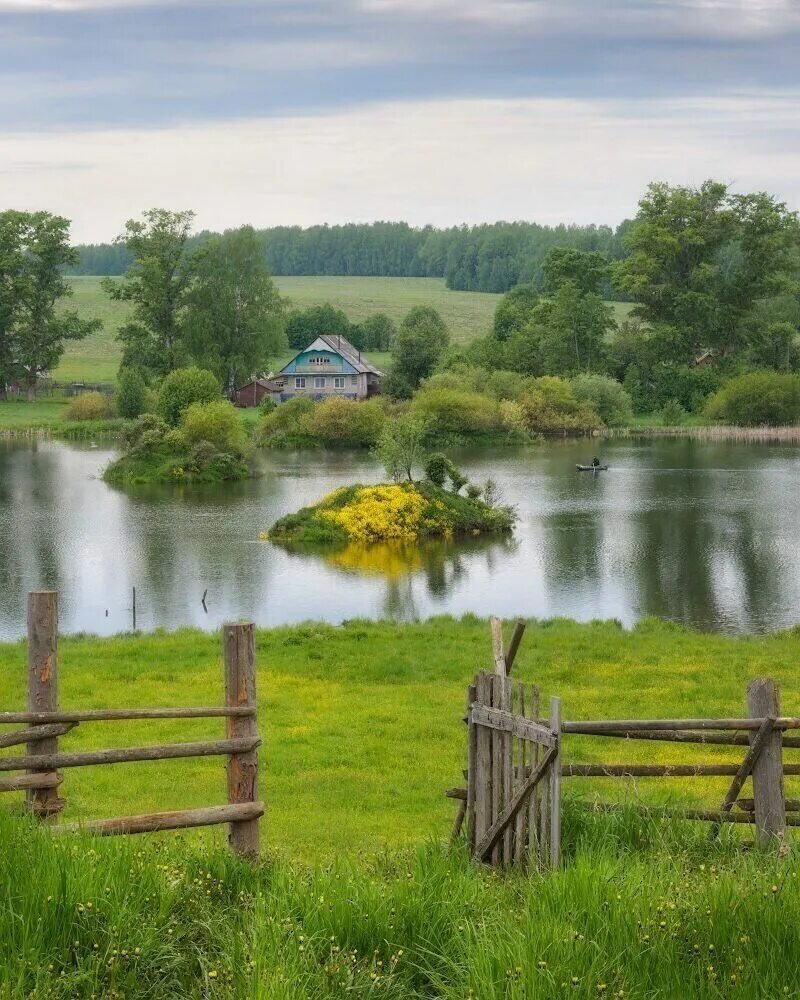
(43, 690)
(240, 691)
(769, 802)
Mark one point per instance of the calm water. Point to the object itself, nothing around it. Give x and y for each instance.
(704, 534)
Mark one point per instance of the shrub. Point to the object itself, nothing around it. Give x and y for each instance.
(183, 387)
(672, 413)
(512, 417)
(218, 423)
(132, 434)
(345, 422)
(267, 405)
(549, 407)
(473, 491)
(131, 394)
(606, 396)
(203, 452)
(757, 398)
(89, 406)
(437, 468)
(176, 442)
(285, 425)
(449, 411)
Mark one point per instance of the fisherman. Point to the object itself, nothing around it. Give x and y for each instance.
(595, 462)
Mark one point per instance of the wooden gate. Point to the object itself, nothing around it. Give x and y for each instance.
(513, 801)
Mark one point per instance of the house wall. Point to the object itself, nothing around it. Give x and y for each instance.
(353, 386)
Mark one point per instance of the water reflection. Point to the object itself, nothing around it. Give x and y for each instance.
(702, 533)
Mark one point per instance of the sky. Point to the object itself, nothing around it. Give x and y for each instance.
(433, 111)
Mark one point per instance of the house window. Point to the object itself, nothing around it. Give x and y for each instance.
(354, 380)
(300, 383)
(338, 383)
(319, 382)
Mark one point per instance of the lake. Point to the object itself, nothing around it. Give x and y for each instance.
(706, 534)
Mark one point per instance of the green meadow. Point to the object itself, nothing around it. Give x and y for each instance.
(361, 723)
(357, 894)
(468, 314)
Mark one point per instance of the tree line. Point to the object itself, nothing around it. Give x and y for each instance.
(485, 258)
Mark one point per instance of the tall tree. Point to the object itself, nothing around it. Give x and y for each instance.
(35, 327)
(303, 326)
(11, 270)
(700, 261)
(234, 316)
(158, 284)
(419, 344)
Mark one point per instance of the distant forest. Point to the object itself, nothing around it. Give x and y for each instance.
(486, 258)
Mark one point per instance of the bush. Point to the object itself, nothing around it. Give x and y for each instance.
(183, 387)
(218, 423)
(176, 442)
(672, 413)
(756, 399)
(549, 407)
(89, 406)
(437, 468)
(345, 422)
(606, 396)
(132, 434)
(267, 405)
(449, 411)
(131, 394)
(285, 425)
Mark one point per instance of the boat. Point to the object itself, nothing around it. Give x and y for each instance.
(592, 468)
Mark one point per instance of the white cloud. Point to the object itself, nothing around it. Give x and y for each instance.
(441, 162)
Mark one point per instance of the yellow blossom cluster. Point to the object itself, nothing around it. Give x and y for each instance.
(377, 513)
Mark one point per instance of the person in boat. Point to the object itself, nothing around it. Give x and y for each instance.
(595, 462)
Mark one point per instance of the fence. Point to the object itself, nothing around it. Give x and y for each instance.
(512, 802)
(43, 761)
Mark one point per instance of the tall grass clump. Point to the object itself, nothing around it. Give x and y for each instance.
(638, 910)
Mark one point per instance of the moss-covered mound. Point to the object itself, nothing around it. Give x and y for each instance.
(405, 511)
(156, 453)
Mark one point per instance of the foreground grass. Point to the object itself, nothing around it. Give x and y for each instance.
(639, 910)
(361, 723)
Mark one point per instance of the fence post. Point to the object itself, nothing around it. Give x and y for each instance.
(240, 690)
(555, 786)
(769, 802)
(44, 803)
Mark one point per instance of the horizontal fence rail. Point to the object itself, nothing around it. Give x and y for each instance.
(45, 724)
(126, 714)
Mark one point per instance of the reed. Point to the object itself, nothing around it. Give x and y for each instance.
(718, 432)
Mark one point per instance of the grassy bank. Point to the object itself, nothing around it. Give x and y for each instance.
(355, 896)
(637, 912)
(362, 722)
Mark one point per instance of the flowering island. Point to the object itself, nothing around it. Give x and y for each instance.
(391, 512)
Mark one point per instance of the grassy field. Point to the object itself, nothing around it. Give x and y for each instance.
(362, 723)
(467, 314)
(356, 896)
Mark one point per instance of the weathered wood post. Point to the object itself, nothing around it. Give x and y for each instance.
(555, 786)
(45, 803)
(240, 691)
(769, 802)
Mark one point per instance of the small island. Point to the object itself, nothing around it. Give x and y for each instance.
(397, 512)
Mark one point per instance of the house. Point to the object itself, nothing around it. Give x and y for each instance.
(252, 392)
(331, 366)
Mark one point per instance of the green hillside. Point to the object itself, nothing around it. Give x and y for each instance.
(468, 314)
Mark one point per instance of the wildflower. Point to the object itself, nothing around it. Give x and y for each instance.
(212, 974)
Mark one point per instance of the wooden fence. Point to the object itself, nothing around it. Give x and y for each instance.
(46, 725)
(512, 802)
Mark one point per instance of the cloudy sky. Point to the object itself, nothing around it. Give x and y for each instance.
(441, 111)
